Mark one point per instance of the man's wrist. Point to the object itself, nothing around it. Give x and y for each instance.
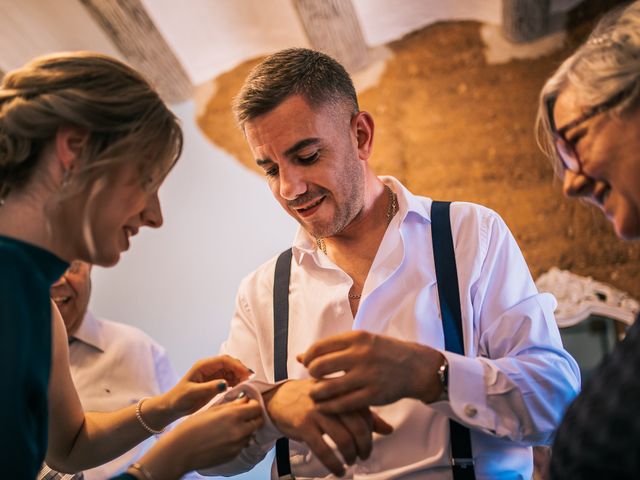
(426, 374)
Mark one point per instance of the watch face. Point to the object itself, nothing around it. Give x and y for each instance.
(443, 376)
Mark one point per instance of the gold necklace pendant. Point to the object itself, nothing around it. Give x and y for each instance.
(321, 245)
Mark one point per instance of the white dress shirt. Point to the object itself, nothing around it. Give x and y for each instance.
(511, 388)
(114, 365)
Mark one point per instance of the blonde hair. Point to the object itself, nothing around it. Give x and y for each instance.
(124, 116)
(606, 66)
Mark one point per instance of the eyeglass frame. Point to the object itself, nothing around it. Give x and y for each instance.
(570, 159)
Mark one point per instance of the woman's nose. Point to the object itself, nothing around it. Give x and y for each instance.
(152, 214)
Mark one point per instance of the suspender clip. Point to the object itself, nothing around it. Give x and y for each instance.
(462, 462)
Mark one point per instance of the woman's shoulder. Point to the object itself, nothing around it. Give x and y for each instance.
(15, 260)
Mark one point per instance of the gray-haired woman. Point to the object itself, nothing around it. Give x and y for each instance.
(589, 125)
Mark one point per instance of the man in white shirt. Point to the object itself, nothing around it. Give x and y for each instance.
(113, 365)
(364, 315)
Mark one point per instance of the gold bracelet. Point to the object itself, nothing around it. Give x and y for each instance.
(142, 422)
(142, 469)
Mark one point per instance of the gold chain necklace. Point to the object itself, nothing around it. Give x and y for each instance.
(392, 209)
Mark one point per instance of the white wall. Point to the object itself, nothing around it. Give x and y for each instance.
(383, 21)
(30, 28)
(211, 37)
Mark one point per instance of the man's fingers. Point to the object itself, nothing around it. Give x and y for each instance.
(380, 425)
(324, 453)
(333, 362)
(322, 347)
(349, 402)
(341, 437)
(360, 431)
(330, 388)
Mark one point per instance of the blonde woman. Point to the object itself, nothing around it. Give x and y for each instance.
(85, 143)
(589, 125)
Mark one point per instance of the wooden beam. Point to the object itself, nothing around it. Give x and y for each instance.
(132, 31)
(525, 20)
(332, 27)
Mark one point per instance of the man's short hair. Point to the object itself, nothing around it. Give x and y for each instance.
(294, 71)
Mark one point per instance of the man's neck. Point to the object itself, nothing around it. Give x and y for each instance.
(358, 243)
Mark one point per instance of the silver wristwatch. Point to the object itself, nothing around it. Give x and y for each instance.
(443, 376)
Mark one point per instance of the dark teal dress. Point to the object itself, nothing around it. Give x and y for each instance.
(26, 274)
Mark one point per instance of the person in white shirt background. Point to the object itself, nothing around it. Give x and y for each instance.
(113, 365)
(363, 301)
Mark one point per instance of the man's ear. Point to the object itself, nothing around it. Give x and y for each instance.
(362, 127)
(69, 143)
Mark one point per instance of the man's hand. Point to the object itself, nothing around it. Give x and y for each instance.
(294, 413)
(378, 370)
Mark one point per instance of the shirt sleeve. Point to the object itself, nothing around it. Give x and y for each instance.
(165, 374)
(521, 380)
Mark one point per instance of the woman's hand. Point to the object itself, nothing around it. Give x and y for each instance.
(206, 378)
(211, 437)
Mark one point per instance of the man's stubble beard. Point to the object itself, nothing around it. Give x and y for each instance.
(351, 185)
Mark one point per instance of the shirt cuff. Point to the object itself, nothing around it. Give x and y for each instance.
(467, 403)
(263, 439)
(254, 389)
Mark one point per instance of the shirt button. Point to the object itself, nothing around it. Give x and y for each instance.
(470, 410)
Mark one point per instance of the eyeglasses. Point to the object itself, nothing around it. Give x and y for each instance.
(565, 149)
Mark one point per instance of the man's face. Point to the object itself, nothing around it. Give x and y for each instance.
(311, 160)
(71, 294)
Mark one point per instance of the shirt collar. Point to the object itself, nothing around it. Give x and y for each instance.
(305, 244)
(90, 332)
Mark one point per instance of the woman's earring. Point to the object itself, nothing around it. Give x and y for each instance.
(4, 192)
(66, 177)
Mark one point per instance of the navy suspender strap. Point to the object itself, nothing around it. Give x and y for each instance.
(280, 338)
(449, 295)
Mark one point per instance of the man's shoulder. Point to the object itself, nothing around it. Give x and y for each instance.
(468, 211)
(474, 224)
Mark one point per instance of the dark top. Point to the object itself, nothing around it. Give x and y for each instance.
(599, 437)
(26, 273)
